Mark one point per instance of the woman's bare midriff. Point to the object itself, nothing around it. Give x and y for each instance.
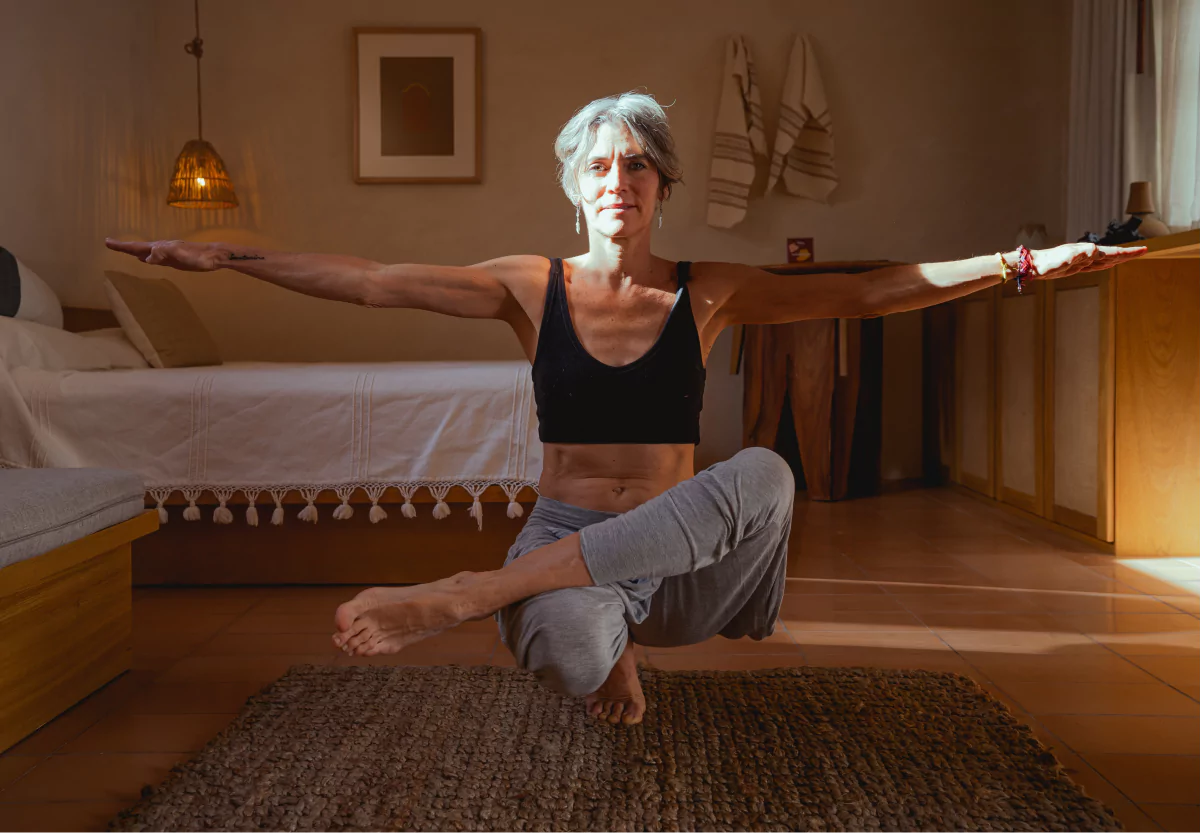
(612, 478)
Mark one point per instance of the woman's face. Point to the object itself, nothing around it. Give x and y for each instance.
(619, 185)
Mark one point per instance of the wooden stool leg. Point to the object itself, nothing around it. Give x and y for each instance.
(764, 387)
(811, 353)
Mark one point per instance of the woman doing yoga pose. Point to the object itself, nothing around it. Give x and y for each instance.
(627, 543)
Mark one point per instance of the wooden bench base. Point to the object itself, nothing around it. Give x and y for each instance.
(65, 620)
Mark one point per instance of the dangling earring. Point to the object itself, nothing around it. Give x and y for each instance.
(660, 215)
(577, 218)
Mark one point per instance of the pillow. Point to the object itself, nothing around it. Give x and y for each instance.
(39, 347)
(24, 295)
(117, 347)
(159, 321)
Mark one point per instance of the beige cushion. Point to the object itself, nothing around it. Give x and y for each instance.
(159, 321)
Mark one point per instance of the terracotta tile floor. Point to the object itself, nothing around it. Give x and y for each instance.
(1098, 656)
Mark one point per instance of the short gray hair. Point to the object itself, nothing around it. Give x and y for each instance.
(646, 120)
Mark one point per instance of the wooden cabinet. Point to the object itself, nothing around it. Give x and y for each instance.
(1077, 401)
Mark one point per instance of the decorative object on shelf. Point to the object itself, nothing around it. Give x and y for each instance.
(800, 249)
(418, 109)
(200, 179)
(1116, 233)
(1141, 205)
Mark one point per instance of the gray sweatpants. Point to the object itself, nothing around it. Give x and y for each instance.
(705, 558)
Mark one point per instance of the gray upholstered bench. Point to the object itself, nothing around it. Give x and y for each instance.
(65, 589)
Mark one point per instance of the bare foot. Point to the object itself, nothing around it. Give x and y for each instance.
(383, 620)
(619, 699)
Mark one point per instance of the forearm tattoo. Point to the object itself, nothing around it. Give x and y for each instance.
(247, 257)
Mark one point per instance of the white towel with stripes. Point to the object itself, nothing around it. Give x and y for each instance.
(738, 139)
(804, 149)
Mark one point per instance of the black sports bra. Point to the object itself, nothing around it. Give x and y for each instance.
(654, 399)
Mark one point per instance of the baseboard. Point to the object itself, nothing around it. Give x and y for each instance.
(1101, 546)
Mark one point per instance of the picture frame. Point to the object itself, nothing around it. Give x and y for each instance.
(418, 105)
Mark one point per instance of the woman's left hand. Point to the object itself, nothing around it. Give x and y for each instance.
(1074, 258)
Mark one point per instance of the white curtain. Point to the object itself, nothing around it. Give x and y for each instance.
(1175, 25)
(1097, 115)
(1125, 127)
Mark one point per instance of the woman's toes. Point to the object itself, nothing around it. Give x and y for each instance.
(615, 714)
(358, 640)
(344, 616)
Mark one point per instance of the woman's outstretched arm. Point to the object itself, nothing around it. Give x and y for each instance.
(479, 291)
(753, 296)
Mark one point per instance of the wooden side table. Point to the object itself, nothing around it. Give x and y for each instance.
(829, 372)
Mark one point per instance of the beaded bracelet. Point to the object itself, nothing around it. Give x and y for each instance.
(1025, 268)
(1025, 265)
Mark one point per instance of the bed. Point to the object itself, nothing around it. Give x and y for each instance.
(376, 440)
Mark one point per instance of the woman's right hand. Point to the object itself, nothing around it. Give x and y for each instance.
(178, 254)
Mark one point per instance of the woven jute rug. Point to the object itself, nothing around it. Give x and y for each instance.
(455, 748)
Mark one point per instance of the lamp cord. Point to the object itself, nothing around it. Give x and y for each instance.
(196, 47)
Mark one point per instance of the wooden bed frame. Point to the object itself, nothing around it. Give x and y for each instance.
(65, 620)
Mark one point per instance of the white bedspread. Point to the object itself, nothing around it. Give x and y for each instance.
(269, 428)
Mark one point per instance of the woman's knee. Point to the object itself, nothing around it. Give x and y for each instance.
(571, 665)
(566, 641)
(769, 475)
(767, 466)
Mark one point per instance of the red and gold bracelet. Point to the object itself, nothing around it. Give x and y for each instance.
(1025, 267)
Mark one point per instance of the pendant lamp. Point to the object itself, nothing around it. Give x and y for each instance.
(200, 179)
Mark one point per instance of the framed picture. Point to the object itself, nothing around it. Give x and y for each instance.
(418, 115)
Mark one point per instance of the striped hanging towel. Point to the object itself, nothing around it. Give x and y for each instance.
(739, 137)
(804, 149)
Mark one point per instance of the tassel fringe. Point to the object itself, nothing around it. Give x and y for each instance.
(277, 517)
(252, 512)
(161, 495)
(192, 512)
(344, 511)
(222, 514)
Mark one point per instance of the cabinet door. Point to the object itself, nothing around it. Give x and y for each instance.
(1019, 417)
(1157, 414)
(1079, 384)
(975, 400)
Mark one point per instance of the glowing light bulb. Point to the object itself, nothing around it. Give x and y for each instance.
(200, 181)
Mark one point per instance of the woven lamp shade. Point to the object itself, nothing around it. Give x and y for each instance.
(200, 180)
